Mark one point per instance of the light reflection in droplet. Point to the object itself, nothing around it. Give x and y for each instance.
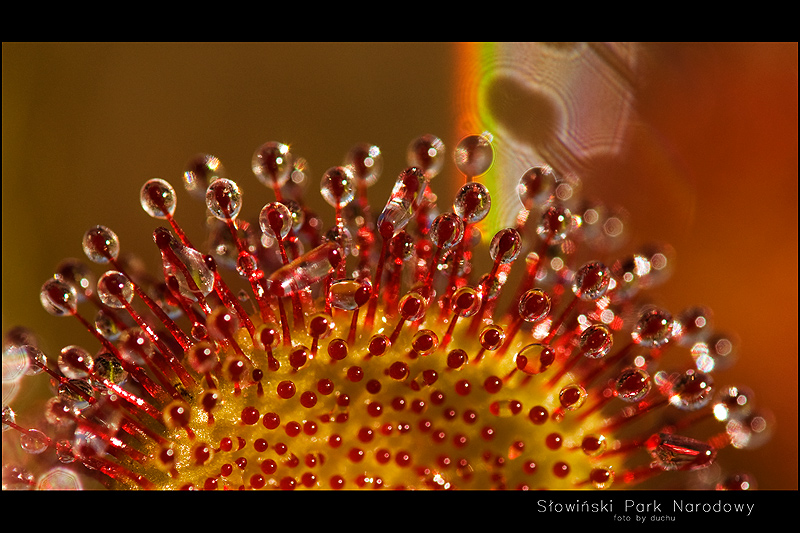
(59, 478)
(542, 329)
(15, 364)
(723, 347)
(658, 261)
(613, 227)
(564, 192)
(702, 358)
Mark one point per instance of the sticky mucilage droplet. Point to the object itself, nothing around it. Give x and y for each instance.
(305, 270)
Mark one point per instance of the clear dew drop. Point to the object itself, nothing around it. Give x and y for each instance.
(276, 220)
(191, 262)
(491, 337)
(555, 224)
(474, 155)
(320, 326)
(158, 198)
(394, 217)
(36, 359)
(224, 199)
(247, 265)
(366, 162)
(472, 202)
(534, 305)
(505, 246)
(535, 358)
(115, 289)
(654, 328)
(409, 185)
(425, 342)
(403, 202)
(337, 186)
(596, 341)
(33, 441)
(306, 270)
(348, 294)
(100, 244)
(572, 396)
(591, 281)
(341, 235)
(58, 298)
(428, 153)
(691, 390)
(537, 187)
(466, 301)
(446, 231)
(9, 417)
(273, 163)
(632, 385)
(412, 306)
(86, 443)
(75, 362)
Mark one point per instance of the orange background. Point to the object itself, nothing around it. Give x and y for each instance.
(84, 125)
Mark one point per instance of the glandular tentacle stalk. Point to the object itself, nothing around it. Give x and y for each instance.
(377, 353)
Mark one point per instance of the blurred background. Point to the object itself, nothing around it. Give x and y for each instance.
(697, 141)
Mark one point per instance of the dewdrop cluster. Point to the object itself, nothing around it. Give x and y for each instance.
(397, 346)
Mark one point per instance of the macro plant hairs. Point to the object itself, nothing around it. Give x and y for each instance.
(404, 342)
